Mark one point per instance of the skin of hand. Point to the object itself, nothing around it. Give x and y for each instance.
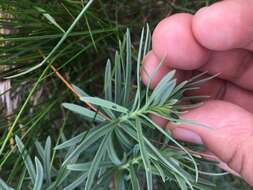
(217, 39)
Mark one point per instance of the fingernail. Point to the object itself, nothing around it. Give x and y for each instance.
(186, 135)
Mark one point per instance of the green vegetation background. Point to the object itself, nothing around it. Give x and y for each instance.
(81, 60)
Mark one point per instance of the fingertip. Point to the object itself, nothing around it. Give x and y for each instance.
(173, 40)
(224, 25)
(220, 123)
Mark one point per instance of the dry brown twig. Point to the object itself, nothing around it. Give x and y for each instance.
(73, 90)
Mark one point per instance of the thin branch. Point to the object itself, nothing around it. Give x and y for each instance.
(73, 90)
(76, 93)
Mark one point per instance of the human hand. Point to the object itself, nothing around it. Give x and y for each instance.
(217, 39)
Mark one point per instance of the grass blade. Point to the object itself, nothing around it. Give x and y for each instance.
(64, 37)
(50, 18)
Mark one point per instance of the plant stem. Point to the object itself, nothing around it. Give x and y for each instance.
(76, 93)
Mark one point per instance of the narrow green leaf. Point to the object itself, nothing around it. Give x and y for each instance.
(117, 79)
(137, 98)
(168, 163)
(45, 155)
(153, 74)
(181, 183)
(162, 86)
(39, 175)
(122, 54)
(166, 134)
(39, 149)
(147, 41)
(4, 186)
(90, 32)
(130, 131)
(108, 112)
(178, 90)
(84, 167)
(108, 81)
(196, 77)
(128, 68)
(188, 106)
(47, 159)
(96, 161)
(190, 122)
(201, 81)
(122, 137)
(50, 18)
(144, 47)
(105, 180)
(134, 178)
(112, 152)
(61, 177)
(90, 139)
(71, 142)
(79, 90)
(83, 111)
(160, 170)
(27, 159)
(167, 93)
(144, 155)
(104, 103)
(76, 183)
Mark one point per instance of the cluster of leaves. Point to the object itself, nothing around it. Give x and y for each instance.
(124, 148)
(30, 31)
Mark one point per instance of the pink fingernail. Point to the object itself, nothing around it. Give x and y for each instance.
(187, 135)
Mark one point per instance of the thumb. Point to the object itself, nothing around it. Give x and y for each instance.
(229, 134)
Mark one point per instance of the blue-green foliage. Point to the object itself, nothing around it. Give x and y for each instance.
(124, 148)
